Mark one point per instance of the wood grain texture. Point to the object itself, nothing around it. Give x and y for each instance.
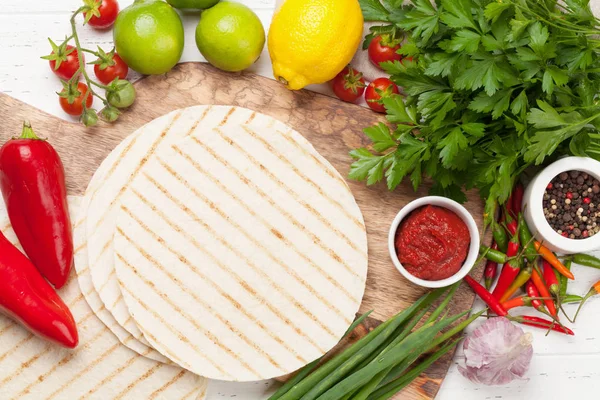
(333, 127)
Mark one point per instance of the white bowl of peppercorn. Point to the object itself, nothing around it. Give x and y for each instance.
(561, 205)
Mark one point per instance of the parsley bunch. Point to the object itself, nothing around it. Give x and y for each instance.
(495, 87)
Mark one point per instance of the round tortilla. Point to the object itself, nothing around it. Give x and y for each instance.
(136, 343)
(241, 252)
(99, 368)
(113, 176)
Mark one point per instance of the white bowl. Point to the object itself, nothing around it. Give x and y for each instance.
(462, 213)
(533, 209)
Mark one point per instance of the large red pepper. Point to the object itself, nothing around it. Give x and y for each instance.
(28, 298)
(32, 179)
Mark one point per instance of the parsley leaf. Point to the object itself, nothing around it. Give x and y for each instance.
(493, 88)
(373, 10)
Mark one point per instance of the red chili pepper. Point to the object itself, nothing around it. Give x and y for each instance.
(517, 199)
(550, 278)
(544, 292)
(486, 296)
(542, 323)
(510, 222)
(534, 294)
(508, 206)
(510, 270)
(491, 269)
(27, 297)
(32, 179)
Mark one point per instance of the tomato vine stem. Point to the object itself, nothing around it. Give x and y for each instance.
(82, 64)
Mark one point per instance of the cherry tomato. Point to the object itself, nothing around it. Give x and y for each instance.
(111, 72)
(120, 94)
(378, 89)
(383, 48)
(348, 85)
(108, 10)
(67, 59)
(76, 107)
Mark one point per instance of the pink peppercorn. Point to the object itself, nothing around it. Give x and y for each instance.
(569, 195)
(587, 200)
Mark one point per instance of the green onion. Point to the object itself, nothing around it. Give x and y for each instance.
(387, 391)
(336, 368)
(366, 390)
(303, 373)
(416, 340)
(399, 369)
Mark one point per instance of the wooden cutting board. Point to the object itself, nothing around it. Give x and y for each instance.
(332, 126)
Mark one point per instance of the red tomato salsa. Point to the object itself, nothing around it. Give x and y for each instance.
(432, 243)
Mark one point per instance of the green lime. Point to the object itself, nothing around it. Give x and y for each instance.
(230, 36)
(192, 4)
(148, 36)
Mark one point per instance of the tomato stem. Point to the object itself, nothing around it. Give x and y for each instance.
(81, 69)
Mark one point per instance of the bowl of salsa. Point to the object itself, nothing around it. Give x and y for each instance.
(434, 241)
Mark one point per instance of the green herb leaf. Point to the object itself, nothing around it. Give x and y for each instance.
(396, 110)
(451, 145)
(493, 11)
(453, 192)
(381, 137)
(463, 40)
(458, 14)
(373, 10)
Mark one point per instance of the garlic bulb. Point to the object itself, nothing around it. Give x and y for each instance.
(496, 353)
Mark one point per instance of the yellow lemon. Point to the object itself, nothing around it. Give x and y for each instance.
(310, 41)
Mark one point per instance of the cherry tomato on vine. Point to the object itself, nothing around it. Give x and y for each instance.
(378, 89)
(106, 73)
(101, 14)
(120, 94)
(383, 48)
(71, 98)
(348, 85)
(64, 60)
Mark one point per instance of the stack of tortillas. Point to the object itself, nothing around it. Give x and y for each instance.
(215, 239)
(99, 368)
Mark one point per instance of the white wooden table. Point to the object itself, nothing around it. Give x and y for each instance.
(562, 367)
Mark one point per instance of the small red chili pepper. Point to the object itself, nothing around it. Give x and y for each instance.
(491, 269)
(550, 278)
(510, 269)
(32, 179)
(511, 226)
(27, 297)
(517, 199)
(534, 294)
(538, 322)
(486, 296)
(544, 292)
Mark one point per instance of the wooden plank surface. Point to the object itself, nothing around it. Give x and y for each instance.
(333, 127)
